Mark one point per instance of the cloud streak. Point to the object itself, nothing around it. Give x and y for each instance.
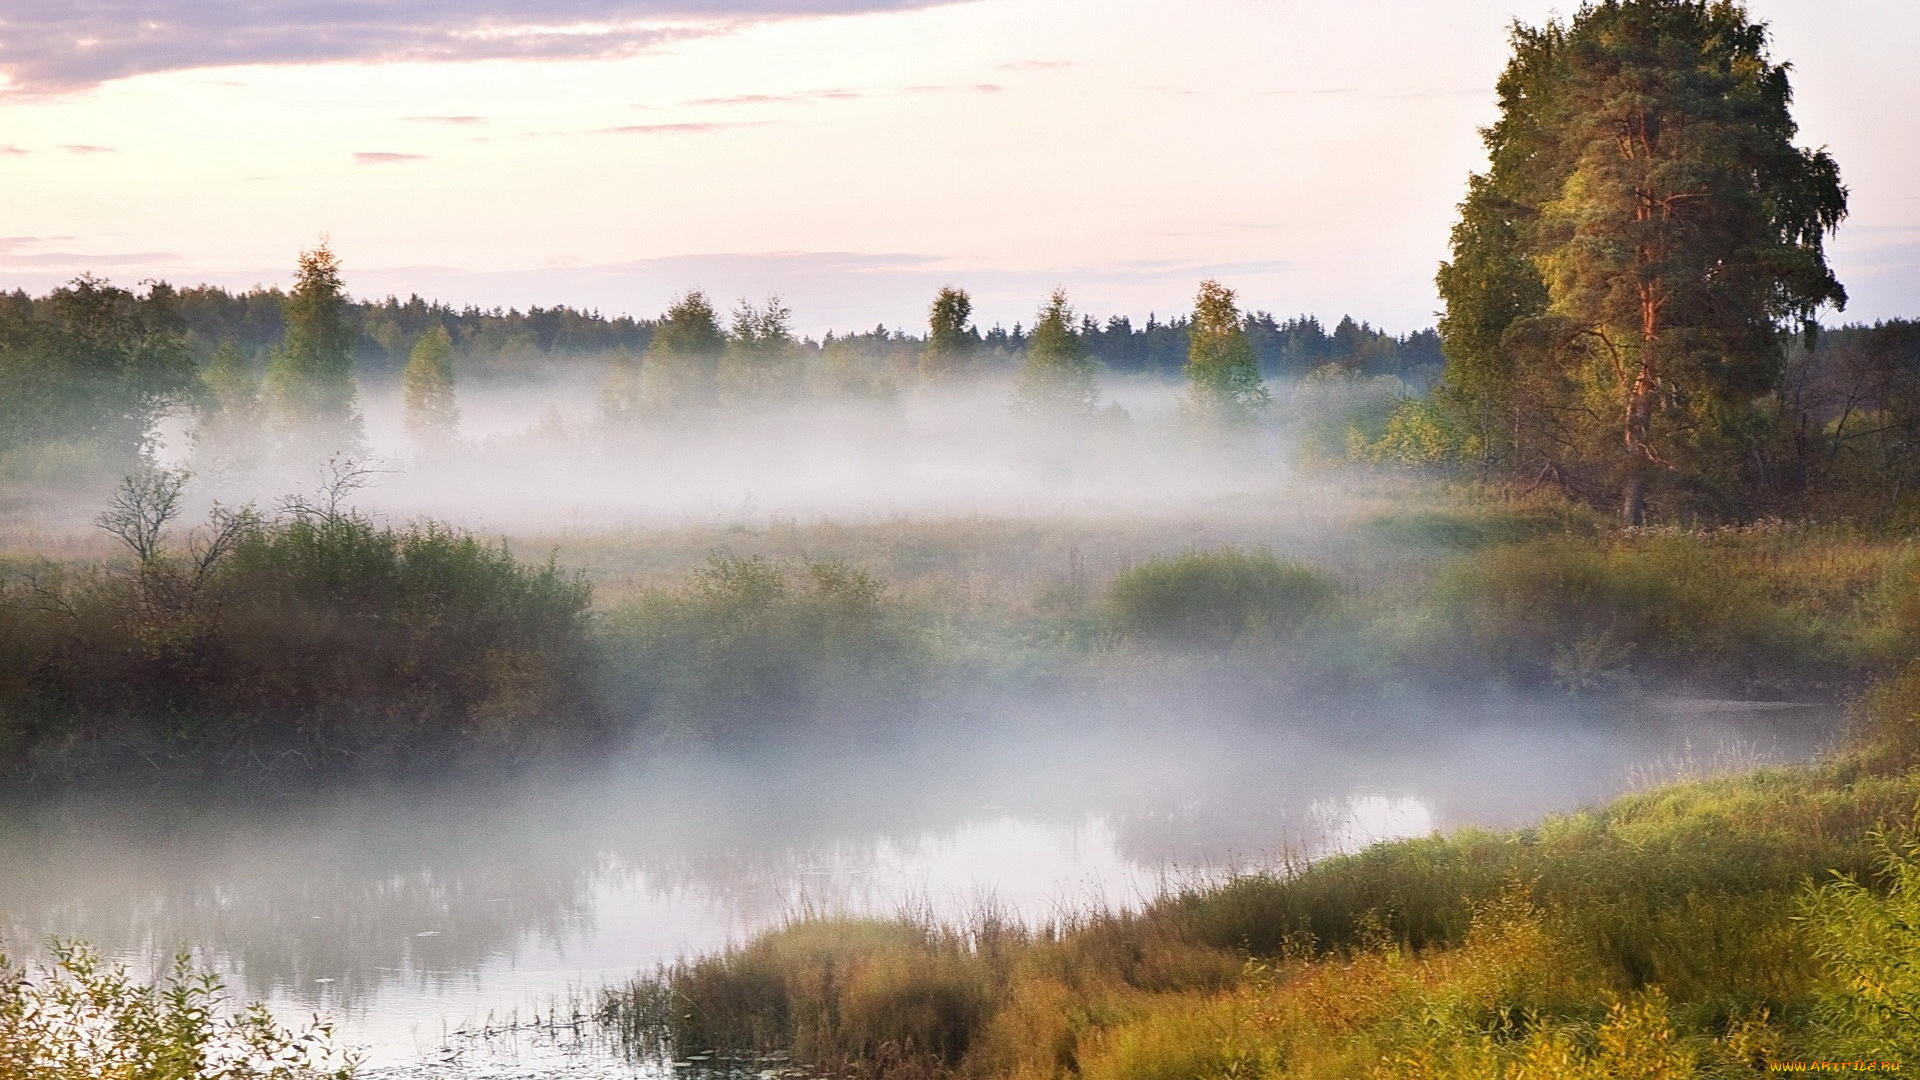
(380, 157)
(48, 46)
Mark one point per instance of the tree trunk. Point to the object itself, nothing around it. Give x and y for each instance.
(1633, 501)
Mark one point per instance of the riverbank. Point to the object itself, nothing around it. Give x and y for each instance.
(1702, 929)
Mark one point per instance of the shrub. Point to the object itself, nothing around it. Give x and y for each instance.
(747, 642)
(1215, 598)
(81, 1019)
(317, 634)
(1869, 942)
(1580, 615)
(407, 637)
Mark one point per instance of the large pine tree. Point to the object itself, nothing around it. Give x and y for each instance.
(1621, 273)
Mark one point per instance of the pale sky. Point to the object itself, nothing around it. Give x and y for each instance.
(850, 155)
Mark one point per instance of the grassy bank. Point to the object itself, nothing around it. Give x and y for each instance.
(1703, 929)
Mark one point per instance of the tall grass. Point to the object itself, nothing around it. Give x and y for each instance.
(1760, 610)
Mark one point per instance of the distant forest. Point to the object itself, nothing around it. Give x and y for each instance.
(498, 342)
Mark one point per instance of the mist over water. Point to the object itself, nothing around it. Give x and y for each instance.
(411, 911)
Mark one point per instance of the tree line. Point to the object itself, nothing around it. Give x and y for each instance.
(87, 370)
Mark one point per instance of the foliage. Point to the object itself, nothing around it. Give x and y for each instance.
(310, 379)
(683, 359)
(750, 650)
(433, 417)
(1869, 941)
(1222, 378)
(1620, 271)
(1058, 379)
(230, 412)
(79, 1018)
(92, 370)
(1216, 598)
(1659, 936)
(762, 361)
(314, 633)
(951, 339)
(1744, 609)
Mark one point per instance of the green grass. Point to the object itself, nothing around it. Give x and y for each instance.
(1695, 930)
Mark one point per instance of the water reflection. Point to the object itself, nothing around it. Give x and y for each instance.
(410, 911)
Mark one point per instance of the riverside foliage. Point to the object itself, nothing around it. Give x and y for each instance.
(1699, 930)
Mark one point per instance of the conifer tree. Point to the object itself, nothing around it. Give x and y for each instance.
(433, 417)
(1621, 272)
(1058, 379)
(1223, 377)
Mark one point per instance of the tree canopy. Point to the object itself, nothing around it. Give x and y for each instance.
(1222, 375)
(92, 370)
(1622, 272)
(311, 377)
(951, 340)
(1058, 379)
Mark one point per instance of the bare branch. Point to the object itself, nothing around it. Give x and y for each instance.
(140, 510)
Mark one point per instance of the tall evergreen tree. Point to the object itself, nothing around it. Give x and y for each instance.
(310, 379)
(1058, 379)
(1223, 378)
(1621, 273)
(433, 417)
(951, 338)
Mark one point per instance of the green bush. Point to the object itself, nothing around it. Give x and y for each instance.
(1869, 942)
(751, 648)
(1216, 598)
(314, 636)
(1582, 616)
(80, 1019)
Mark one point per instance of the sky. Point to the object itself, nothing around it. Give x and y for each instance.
(850, 156)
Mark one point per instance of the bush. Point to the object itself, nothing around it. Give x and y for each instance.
(1215, 598)
(1869, 942)
(405, 637)
(80, 1019)
(318, 635)
(748, 642)
(1582, 616)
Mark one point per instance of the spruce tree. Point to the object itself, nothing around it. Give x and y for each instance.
(1058, 379)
